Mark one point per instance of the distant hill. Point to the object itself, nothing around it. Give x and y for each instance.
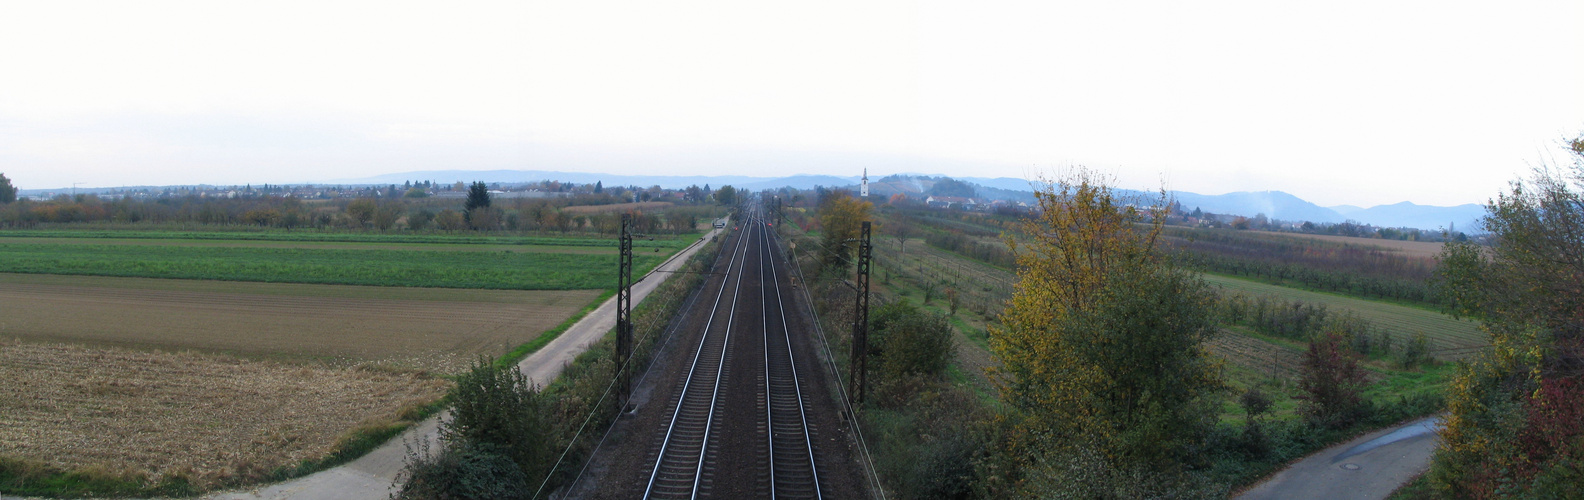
(1005, 183)
(1408, 214)
(1284, 206)
(1274, 204)
(799, 182)
(665, 181)
(1346, 210)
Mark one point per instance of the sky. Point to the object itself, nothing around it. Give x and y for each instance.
(1360, 103)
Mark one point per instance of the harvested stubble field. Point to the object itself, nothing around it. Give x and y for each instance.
(1445, 332)
(216, 420)
(420, 328)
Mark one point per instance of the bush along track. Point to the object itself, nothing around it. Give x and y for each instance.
(567, 416)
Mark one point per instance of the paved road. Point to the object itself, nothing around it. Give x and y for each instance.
(1368, 467)
(372, 476)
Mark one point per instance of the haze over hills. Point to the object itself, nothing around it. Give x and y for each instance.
(664, 181)
(1273, 204)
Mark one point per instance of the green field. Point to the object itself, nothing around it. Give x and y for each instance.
(1445, 331)
(521, 269)
(359, 237)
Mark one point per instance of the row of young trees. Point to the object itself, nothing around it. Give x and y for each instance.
(1310, 323)
(1336, 267)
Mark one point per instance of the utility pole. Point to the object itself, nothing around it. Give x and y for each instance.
(624, 325)
(860, 343)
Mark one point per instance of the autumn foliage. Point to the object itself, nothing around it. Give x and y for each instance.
(1331, 383)
(841, 217)
(1516, 413)
(1102, 357)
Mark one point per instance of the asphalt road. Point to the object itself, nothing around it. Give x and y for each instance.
(373, 476)
(1368, 467)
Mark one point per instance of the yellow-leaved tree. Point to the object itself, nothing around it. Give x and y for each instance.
(1103, 366)
(841, 219)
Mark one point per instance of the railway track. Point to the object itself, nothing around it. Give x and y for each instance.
(701, 416)
(792, 466)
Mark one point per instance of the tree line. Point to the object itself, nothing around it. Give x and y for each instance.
(367, 213)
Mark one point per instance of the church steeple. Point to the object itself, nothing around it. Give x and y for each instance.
(863, 189)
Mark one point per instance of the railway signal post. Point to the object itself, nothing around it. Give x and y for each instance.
(860, 344)
(624, 325)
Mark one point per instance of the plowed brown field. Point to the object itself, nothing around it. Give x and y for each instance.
(431, 329)
(215, 419)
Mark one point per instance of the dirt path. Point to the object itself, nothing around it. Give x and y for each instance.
(373, 476)
(1368, 467)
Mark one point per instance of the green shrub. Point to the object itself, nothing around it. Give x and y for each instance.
(498, 435)
(462, 470)
(907, 340)
(497, 406)
(1415, 351)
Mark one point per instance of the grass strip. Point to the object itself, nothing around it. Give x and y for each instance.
(33, 478)
(522, 351)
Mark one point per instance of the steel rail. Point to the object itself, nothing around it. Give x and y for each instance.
(677, 412)
(808, 440)
(764, 321)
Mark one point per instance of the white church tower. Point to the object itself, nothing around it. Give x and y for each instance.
(863, 189)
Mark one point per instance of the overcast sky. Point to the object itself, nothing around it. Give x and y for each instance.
(1359, 103)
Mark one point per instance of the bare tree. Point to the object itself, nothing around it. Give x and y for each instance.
(901, 229)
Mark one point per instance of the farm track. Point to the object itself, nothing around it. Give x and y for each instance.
(739, 424)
